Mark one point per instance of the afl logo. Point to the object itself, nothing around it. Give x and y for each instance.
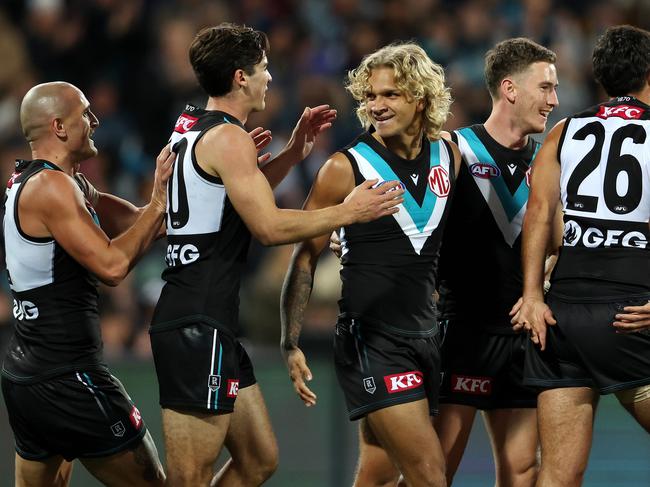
(439, 181)
(484, 171)
(572, 233)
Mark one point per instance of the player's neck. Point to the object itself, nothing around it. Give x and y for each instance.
(643, 96)
(61, 159)
(231, 105)
(406, 146)
(503, 128)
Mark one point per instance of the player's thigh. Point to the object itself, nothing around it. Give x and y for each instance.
(637, 403)
(50, 472)
(375, 465)
(454, 425)
(250, 434)
(406, 432)
(138, 466)
(193, 438)
(565, 421)
(513, 434)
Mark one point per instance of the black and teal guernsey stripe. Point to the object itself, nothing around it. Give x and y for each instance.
(207, 241)
(388, 266)
(54, 297)
(484, 231)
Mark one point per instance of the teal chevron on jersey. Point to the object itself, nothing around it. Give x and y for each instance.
(512, 204)
(419, 214)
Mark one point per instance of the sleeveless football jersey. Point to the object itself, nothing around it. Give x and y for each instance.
(54, 297)
(480, 260)
(207, 241)
(604, 153)
(388, 265)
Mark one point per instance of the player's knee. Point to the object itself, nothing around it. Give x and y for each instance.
(517, 469)
(426, 473)
(367, 476)
(562, 475)
(260, 467)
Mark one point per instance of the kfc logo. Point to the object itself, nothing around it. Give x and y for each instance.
(471, 385)
(135, 417)
(184, 123)
(439, 181)
(233, 387)
(622, 111)
(403, 382)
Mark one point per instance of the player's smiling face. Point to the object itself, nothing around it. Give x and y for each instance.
(81, 123)
(391, 112)
(536, 96)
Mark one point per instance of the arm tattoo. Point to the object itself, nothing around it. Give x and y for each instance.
(295, 296)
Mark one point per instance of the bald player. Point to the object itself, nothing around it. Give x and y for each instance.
(61, 238)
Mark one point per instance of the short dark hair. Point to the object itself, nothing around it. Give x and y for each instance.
(217, 52)
(621, 59)
(512, 56)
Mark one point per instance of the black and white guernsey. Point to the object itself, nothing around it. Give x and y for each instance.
(604, 153)
(207, 241)
(54, 297)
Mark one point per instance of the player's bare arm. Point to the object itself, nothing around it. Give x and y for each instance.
(229, 153)
(537, 232)
(333, 183)
(52, 205)
(312, 122)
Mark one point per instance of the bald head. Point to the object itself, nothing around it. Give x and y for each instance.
(43, 103)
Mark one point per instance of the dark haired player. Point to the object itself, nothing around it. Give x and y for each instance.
(597, 163)
(218, 198)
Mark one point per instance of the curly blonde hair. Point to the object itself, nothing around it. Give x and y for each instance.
(415, 74)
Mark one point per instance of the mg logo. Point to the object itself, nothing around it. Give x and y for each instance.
(214, 382)
(25, 310)
(439, 181)
(472, 385)
(403, 382)
(369, 385)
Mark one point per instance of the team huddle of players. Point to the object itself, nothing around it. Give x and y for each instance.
(412, 205)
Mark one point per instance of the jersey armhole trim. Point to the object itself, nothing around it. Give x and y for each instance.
(201, 172)
(562, 136)
(28, 238)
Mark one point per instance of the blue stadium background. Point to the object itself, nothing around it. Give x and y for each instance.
(130, 57)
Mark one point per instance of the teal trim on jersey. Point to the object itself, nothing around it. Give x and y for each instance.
(216, 393)
(226, 120)
(47, 166)
(419, 214)
(512, 204)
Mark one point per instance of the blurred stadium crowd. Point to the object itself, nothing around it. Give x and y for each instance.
(130, 58)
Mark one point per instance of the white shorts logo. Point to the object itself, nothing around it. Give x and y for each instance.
(369, 385)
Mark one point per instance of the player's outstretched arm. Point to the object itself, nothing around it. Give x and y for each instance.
(56, 205)
(312, 122)
(538, 229)
(228, 152)
(333, 183)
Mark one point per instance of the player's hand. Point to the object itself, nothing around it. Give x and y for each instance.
(299, 373)
(515, 309)
(261, 138)
(534, 316)
(370, 201)
(312, 122)
(633, 319)
(335, 245)
(164, 169)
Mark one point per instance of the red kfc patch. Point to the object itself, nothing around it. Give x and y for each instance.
(403, 382)
(184, 123)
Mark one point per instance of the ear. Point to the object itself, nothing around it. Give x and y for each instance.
(240, 78)
(508, 89)
(58, 128)
(419, 105)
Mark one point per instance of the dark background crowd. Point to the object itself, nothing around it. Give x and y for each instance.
(130, 58)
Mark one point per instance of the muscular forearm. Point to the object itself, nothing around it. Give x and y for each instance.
(536, 234)
(278, 168)
(295, 296)
(115, 214)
